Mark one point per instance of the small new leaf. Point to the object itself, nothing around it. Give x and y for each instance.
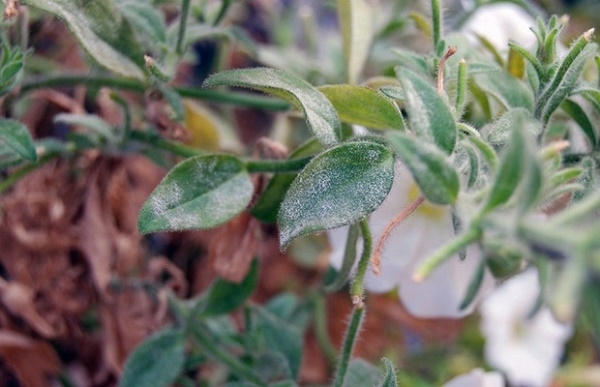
(157, 361)
(428, 114)
(16, 136)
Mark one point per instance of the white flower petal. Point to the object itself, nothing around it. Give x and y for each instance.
(477, 378)
(527, 349)
(500, 23)
(424, 231)
(442, 292)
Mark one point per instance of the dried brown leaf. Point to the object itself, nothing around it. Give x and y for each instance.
(32, 361)
(233, 247)
(19, 300)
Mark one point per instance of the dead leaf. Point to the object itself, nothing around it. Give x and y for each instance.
(233, 246)
(32, 361)
(19, 300)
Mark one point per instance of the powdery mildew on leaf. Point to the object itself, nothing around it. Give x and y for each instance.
(200, 192)
(320, 114)
(338, 187)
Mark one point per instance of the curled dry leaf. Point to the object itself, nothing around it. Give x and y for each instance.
(32, 361)
(19, 300)
(233, 246)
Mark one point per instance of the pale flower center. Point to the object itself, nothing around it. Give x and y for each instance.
(426, 209)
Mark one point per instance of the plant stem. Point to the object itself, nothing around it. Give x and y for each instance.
(185, 10)
(347, 263)
(357, 290)
(445, 252)
(320, 327)
(436, 15)
(280, 166)
(234, 98)
(349, 341)
(159, 142)
(225, 4)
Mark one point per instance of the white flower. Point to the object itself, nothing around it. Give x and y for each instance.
(501, 22)
(526, 348)
(427, 229)
(477, 378)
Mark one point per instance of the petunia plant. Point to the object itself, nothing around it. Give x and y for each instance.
(436, 174)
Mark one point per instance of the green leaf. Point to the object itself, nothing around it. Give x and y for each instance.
(499, 132)
(389, 375)
(436, 177)
(512, 165)
(224, 296)
(564, 80)
(338, 187)
(198, 193)
(157, 361)
(363, 106)
(319, 113)
(508, 90)
(102, 30)
(357, 26)
(428, 114)
(91, 121)
(146, 19)
(16, 137)
(579, 115)
(281, 336)
(361, 373)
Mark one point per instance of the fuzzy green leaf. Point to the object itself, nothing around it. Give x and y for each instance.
(579, 115)
(224, 296)
(436, 177)
(198, 193)
(281, 336)
(338, 187)
(363, 106)
(504, 87)
(512, 166)
(16, 137)
(146, 19)
(157, 361)
(102, 30)
(319, 113)
(389, 375)
(428, 114)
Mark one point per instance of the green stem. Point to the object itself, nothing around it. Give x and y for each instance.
(277, 166)
(233, 98)
(445, 252)
(357, 290)
(185, 10)
(159, 142)
(320, 327)
(347, 263)
(225, 4)
(436, 15)
(212, 349)
(349, 340)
